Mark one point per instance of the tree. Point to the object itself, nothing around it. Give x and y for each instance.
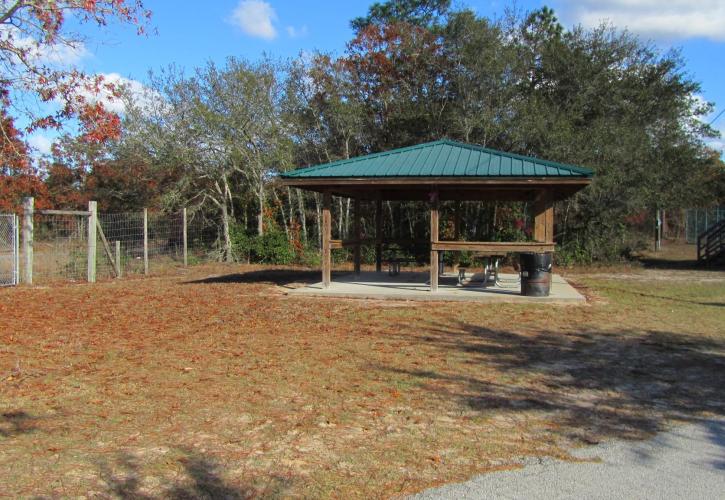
(18, 178)
(221, 130)
(400, 72)
(423, 13)
(35, 41)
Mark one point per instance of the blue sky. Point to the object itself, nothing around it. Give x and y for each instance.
(191, 33)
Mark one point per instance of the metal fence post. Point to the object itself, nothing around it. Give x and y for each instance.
(118, 259)
(146, 241)
(186, 242)
(92, 236)
(28, 207)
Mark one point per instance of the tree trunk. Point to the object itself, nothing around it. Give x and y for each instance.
(340, 219)
(291, 206)
(393, 233)
(228, 257)
(260, 214)
(303, 216)
(318, 213)
(284, 217)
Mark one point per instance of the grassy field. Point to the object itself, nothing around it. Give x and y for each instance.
(214, 383)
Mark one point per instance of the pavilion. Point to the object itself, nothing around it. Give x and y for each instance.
(435, 172)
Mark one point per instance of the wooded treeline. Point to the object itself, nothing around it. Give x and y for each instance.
(215, 138)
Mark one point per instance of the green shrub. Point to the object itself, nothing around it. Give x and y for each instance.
(272, 247)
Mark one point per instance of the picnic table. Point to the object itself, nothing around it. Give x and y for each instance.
(490, 267)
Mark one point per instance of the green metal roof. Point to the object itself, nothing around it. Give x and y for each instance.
(440, 159)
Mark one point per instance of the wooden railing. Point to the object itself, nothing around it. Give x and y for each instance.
(711, 243)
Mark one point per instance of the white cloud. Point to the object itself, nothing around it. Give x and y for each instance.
(297, 32)
(255, 18)
(40, 143)
(141, 95)
(59, 54)
(63, 55)
(673, 19)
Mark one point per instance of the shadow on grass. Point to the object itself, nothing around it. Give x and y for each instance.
(625, 290)
(666, 263)
(591, 385)
(201, 478)
(279, 277)
(716, 431)
(15, 423)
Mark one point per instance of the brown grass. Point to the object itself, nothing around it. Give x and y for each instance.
(215, 383)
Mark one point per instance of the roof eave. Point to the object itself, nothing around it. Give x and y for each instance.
(403, 181)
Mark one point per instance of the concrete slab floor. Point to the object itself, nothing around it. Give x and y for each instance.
(414, 286)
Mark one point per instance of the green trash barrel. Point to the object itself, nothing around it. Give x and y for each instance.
(536, 274)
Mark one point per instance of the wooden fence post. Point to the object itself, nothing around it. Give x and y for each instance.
(118, 259)
(186, 242)
(146, 241)
(16, 250)
(28, 207)
(92, 237)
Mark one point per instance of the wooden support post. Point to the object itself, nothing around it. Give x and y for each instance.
(378, 234)
(28, 207)
(92, 237)
(146, 241)
(118, 259)
(326, 237)
(543, 212)
(456, 228)
(434, 225)
(186, 242)
(358, 236)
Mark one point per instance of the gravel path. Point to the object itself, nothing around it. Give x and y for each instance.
(686, 462)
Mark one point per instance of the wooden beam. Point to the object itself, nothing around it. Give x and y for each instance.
(326, 238)
(434, 234)
(85, 213)
(378, 233)
(549, 223)
(493, 246)
(350, 243)
(357, 235)
(543, 215)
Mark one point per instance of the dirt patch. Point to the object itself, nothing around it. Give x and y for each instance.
(214, 383)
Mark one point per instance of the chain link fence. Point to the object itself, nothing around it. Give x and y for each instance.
(8, 249)
(700, 219)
